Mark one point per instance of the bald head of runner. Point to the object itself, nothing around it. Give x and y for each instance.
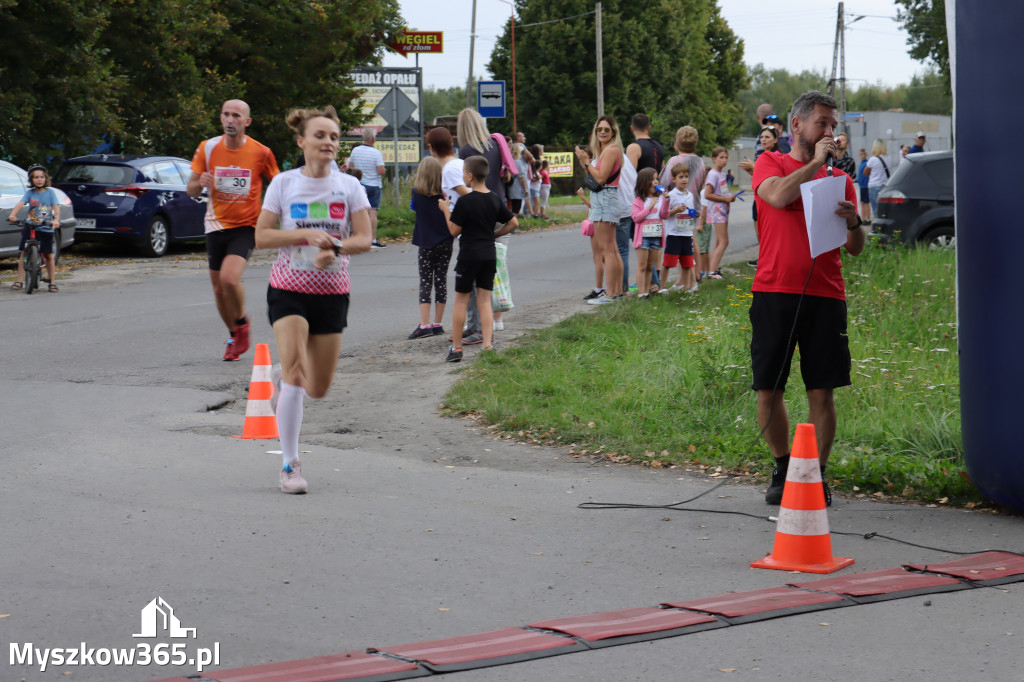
(234, 116)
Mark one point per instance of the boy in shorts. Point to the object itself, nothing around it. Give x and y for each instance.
(679, 226)
(473, 221)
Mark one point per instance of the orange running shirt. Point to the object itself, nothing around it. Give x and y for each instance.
(238, 181)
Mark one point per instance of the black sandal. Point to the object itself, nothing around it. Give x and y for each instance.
(53, 289)
(17, 285)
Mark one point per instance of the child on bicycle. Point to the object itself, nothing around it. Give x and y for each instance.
(43, 215)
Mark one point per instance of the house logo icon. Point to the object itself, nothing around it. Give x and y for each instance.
(158, 616)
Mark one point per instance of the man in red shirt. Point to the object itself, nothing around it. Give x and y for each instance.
(798, 300)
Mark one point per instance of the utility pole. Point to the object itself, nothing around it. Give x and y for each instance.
(394, 128)
(600, 64)
(472, 44)
(839, 61)
(835, 52)
(842, 70)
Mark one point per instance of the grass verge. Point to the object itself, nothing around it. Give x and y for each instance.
(395, 221)
(666, 382)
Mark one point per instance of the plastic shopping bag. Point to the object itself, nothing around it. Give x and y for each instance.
(501, 294)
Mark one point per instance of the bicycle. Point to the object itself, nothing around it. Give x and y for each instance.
(32, 259)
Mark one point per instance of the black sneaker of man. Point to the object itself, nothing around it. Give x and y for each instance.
(594, 293)
(378, 245)
(752, 263)
(774, 493)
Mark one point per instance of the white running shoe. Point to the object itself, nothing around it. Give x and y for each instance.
(292, 481)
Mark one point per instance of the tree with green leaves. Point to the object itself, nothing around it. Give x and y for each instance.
(443, 102)
(171, 85)
(299, 54)
(925, 23)
(59, 92)
(777, 87)
(675, 60)
(149, 77)
(924, 94)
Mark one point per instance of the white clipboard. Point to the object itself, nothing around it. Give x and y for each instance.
(825, 229)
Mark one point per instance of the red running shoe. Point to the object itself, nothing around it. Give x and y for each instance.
(229, 352)
(242, 338)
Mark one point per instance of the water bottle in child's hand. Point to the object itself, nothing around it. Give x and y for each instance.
(693, 213)
(659, 189)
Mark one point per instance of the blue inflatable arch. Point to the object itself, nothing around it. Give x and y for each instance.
(987, 55)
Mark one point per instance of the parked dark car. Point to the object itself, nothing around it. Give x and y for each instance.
(13, 185)
(916, 204)
(138, 198)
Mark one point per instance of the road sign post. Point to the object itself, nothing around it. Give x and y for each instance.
(490, 99)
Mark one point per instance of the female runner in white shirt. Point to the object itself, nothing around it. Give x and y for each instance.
(323, 217)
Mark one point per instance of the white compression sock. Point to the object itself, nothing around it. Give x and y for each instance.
(289, 421)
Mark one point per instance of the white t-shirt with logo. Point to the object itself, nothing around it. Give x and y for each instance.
(325, 204)
(451, 177)
(680, 224)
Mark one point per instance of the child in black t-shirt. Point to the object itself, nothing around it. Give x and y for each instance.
(475, 218)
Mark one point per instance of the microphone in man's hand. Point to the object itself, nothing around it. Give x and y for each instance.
(828, 160)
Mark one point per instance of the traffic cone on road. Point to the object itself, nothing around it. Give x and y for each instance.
(260, 421)
(802, 540)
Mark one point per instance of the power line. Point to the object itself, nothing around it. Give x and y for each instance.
(552, 21)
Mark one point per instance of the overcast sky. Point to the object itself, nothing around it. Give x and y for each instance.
(788, 34)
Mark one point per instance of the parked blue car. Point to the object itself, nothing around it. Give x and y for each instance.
(137, 198)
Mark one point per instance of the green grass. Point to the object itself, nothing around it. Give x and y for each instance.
(564, 200)
(667, 382)
(395, 221)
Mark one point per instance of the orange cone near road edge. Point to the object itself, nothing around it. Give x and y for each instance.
(802, 540)
(260, 421)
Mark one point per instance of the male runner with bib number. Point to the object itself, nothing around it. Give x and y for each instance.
(232, 168)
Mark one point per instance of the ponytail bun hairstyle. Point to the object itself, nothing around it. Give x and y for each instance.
(297, 118)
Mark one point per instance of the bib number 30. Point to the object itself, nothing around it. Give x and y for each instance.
(232, 180)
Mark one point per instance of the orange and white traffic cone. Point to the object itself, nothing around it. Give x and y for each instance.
(802, 540)
(260, 421)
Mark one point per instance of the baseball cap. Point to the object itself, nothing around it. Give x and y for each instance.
(919, 134)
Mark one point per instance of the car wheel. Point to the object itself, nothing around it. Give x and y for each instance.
(157, 234)
(942, 237)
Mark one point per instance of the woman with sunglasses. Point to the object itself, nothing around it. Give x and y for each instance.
(781, 142)
(604, 204)
(769, 138)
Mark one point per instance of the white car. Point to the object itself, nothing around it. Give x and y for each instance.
(13, 185)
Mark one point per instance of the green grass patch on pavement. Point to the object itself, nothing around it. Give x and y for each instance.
(395, 221)
(666, 381)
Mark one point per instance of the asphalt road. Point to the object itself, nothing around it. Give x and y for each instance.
(119, 486)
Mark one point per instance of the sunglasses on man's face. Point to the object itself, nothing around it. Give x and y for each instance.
(774, 118)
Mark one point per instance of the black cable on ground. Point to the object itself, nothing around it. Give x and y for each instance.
(675, 506)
